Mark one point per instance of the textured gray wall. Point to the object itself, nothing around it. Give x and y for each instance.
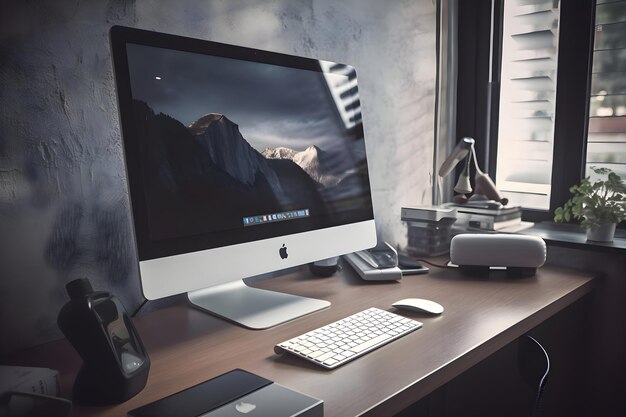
(63, 203)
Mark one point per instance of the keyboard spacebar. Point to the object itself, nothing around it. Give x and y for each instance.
(372, 342)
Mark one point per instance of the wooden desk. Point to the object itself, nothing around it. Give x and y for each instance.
(481, 316)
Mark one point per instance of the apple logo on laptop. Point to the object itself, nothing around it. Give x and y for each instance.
(244, 407)
(283, 252)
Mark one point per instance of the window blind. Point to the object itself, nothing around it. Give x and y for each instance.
(527, 101)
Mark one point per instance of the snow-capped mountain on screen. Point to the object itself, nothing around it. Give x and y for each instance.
(312, 160)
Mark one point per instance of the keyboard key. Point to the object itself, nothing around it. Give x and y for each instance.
(370, 343)
(325, 356)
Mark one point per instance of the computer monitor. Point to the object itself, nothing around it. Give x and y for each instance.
(239, 162)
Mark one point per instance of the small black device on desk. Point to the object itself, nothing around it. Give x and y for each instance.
(410, 266)
(115, 362)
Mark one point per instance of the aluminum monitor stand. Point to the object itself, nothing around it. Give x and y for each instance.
(253, 308)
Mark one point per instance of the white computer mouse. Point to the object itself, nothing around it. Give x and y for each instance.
(419, 305)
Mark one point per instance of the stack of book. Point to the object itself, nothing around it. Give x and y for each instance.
(503, 219)
(428, 229)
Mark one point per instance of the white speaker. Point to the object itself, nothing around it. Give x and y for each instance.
(475, 253)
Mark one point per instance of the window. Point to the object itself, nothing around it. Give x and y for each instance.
(606, 146)
(527, 102)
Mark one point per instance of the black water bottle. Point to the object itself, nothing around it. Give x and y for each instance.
(115, 363)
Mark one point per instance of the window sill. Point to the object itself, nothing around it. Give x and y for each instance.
(573, 236)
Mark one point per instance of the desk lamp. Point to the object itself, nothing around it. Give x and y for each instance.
(485, 188)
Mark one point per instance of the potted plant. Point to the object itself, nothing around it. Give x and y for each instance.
(600, 205)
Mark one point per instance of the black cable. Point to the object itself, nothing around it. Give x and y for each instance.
(542, 382)
(139, 308)
(435, 265)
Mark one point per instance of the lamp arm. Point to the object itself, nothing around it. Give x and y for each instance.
(478, 170)
(457, 155)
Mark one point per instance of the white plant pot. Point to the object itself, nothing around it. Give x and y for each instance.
(602, 233)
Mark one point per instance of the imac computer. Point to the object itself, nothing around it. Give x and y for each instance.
(239, 162)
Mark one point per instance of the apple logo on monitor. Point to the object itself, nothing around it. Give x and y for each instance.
(283, 252)
(244, 407)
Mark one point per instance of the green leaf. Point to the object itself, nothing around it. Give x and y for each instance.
(595, 203)
(558, 214)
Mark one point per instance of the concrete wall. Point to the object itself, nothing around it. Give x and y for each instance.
(63, 204)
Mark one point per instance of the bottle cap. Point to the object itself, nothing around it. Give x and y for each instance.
(79, 288)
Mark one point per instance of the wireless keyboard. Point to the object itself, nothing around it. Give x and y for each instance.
(333, 345)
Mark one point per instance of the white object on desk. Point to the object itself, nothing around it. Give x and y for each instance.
(498, 250)
(336, 343)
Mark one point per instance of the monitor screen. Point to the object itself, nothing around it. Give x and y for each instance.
(227, 145)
